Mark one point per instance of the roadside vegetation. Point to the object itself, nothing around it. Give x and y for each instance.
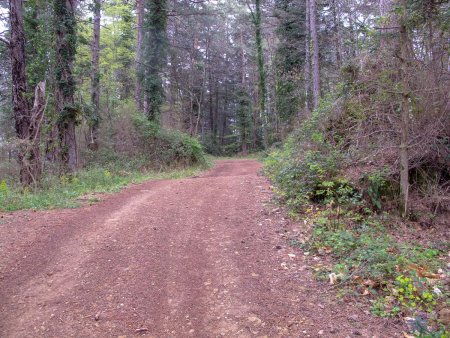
(352, 213)
(146, 152)
(83, 187)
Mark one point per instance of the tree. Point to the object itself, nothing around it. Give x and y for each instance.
(154, 55)
(244, 118)
(315, 54)
(307, 60)
(290, 58)
(140, 9)
(262, 87)
(27, 118)
(66, 41)
(95, 77)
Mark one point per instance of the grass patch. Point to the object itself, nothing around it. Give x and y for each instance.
(65, 191)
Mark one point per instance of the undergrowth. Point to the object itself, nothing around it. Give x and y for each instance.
(349, 228)
(67, 191)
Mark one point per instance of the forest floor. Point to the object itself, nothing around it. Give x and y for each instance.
(199, 257)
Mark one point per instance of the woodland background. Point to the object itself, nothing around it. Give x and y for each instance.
(347, 101)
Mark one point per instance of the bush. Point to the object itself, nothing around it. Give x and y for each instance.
(167, 148)
(305, 169)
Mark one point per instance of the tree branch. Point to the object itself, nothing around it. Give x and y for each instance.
(5, 41)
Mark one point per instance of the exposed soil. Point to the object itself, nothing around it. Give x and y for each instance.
(199, 257)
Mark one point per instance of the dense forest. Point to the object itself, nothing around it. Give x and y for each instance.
(93, 79)
(348, 101)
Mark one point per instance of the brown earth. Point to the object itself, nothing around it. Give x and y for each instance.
(199, 257)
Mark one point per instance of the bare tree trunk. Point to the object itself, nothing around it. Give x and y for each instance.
(315, 56)
(138, 89)
(262, 78)
(95, 76)
(307, 61)
(216, 109)
(404, 56)
(65, 29)
(27, 121)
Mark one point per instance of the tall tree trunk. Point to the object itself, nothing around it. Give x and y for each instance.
(26, 121)
(307, 61)
(153, 58)
(65, 29)
(140, 28)
(315, 56)
(405, 57)
(95, 77)
(262, 89)
(216, 109)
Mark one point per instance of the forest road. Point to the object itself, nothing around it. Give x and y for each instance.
(198, 257)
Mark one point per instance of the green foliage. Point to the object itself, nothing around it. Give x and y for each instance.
(288, 97)
(167, 147)
(4, 189)
(367, 256)
(304, 165)
(337, 191)
(377, 187)
(407, 295)
(39, 36)
(244, 121)
(289, 58)
(71, 191)
(65, 25)
(154, 54)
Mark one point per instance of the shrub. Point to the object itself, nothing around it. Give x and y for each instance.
(305, 169)
(167, 148)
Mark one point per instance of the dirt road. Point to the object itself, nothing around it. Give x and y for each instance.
(200, 257)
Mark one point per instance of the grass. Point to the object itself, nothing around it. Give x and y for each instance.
(66, 191)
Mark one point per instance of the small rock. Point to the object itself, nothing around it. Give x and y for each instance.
(320, 332)
(437, 291)
(141, 330)
(444, 316)
(410, 323)
(353, 318)
(278, 247)
(255, 320)
(357, 333)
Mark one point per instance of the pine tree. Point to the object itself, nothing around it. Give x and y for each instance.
(66, 41)
(153, 57)
(244, 123)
